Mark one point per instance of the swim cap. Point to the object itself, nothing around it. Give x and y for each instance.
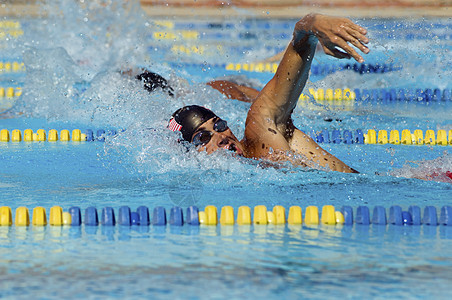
(153, 81)
(188, 119)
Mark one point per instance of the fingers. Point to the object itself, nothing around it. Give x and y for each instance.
(358, 28)
(356, 40)
(353, 53)
(358, 35)
(350, 51)
(353, 34)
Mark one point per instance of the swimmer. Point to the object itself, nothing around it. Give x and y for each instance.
(269, 131)
(232, 90)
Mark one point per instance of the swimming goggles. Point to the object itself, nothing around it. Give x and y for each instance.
(203, 137)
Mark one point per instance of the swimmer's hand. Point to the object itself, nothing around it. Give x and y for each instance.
(334, 34)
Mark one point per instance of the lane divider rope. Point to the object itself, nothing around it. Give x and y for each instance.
(381, 95)
(182, 34)
(261, 216)
(10, 92)
(440, 137)
(404, 94)
(346, 94)
(10, 29)
(52, 135)
(282, 24)
(10, 24)
(316, 69)
(11, 67)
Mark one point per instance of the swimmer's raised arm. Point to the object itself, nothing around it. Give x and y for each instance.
(269, 124)
(281, 93)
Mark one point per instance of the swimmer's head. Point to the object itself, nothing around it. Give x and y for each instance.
(201, 127)
(153, 81)
(188, 119)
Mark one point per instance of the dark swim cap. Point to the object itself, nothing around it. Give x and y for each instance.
(188, 119)
(152, 81)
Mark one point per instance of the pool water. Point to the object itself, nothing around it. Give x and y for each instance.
(71, 82)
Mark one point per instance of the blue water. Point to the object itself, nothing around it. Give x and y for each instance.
(71, 82)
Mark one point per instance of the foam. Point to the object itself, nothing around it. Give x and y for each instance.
(434, 170)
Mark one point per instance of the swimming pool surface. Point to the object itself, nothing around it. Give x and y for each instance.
(70, 81)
